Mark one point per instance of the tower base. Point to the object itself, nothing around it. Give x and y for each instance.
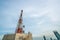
(18, 36)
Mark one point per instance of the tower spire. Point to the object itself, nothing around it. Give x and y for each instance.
(19, 26)
(20, 19)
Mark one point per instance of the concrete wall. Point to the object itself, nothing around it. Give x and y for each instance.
(9, 37)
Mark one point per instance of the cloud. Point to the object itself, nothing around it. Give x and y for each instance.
(34, 12)
(54, 10)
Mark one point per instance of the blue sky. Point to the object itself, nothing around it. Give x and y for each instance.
(39, 16)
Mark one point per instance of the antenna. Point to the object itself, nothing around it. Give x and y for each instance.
(20, 24)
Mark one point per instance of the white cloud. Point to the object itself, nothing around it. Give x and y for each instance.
(34, 12)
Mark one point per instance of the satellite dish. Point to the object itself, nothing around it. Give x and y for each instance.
(23, 26)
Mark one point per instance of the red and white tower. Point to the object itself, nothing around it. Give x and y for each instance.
(20, 35)
(20, 24)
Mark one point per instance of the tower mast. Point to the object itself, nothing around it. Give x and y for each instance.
(20, 24)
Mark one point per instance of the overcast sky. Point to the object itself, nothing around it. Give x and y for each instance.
(39, 15)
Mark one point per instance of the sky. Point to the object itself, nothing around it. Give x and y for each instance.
(39, 16)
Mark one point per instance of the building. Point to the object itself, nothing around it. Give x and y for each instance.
(57, 35)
